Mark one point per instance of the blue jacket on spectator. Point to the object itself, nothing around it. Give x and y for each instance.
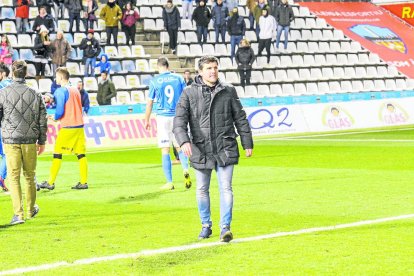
(85, 100)
(53, 87)
(219, 14)
(104, 64)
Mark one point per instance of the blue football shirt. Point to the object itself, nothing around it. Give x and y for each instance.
(165, 89)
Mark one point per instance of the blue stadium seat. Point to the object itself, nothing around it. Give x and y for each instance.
(26, 54)
(7, 13)
(145, 79)
(128, 65)
(69, 37)
(15, 54)
(116, 66)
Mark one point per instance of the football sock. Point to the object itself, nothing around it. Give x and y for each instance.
(166, 166)
(54, 170)
(83, 167)
(183, 160)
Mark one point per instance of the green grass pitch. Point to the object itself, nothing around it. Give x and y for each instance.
(288, 184)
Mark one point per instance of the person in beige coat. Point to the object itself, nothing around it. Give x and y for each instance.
(60, 51)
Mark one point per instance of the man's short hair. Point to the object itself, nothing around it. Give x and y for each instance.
(205, 60)
(4, 69)
(163, 62)
(19, 69)
(63, 71)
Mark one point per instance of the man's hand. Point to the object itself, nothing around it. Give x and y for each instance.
(40, 149)
(186, 148)
(147, 125)
(249, 152)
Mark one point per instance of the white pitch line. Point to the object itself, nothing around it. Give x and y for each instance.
(346, 140)
(175, 249)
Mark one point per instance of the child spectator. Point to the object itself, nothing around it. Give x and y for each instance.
(244, 59)
(104, 64)
(22, 15)
(129, 19)
(6, 51)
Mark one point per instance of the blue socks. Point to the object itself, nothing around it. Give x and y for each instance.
(166, 166)
(183, 160)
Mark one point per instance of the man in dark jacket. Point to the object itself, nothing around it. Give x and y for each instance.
(43, 19)
(74, 8)
(24, 126)
(91, 48)
(284, 15)
(106, 90)
(212, 116)
(220, 13)
(48, 4)
(236, 28)
(84, 97)
(202, 16)
(172, 22)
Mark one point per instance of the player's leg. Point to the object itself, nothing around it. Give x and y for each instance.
(164, 144)
(184, 164)
(54, 170)
(79, 148)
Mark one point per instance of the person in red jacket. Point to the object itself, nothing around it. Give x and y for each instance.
(22, 15)
(129, 19)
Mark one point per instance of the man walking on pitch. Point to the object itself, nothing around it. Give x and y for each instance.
(166, 89)
(212, 110)
(24, 126)
(71, 137)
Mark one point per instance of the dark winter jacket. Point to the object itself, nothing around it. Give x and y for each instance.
(245, 57)
(284, 15)
(236, 25)
(91, 50)
(220, 14)
(211, 115)
(73, 6)
(48, 4)
(106, 91)
(201, 16)
(172, 18)
(47, 21)
(39, 49)
(22, 114)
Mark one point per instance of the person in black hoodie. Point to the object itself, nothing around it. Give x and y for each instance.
(202, 16)
(91, 50)
(236, 29)
(48, 4)
(244, 59)
(172, 22)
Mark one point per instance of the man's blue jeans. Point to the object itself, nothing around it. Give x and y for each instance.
(90, 64)
(224, 176)
(220, 30)
(234, 40)
(202, 33)
(279, 33)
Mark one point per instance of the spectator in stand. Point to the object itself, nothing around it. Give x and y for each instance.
(104, 64)
(84, 98)
(74, 7)
(220, 13)
(187, 9)
(22, 15)
(284, 16)
(91, 49)
(6, 51)
(202, 16)
(48, 4)
(267, 29)
(60, 50)
(244, 59)
(41, 51)
(274, 5)
(122, 4)
(59, 8)
(111, 13)
(257, 13)
(106, 90)
(129, 19)
(44, 19)
(172, 22)
(187, 78)
(54, 86)
(236, 28)
(251, 5)
(89, 14)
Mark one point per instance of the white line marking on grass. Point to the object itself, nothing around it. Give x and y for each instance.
(344, 140)
(174, 249)
(337, 134)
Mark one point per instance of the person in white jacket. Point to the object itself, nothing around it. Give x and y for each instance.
(268, 26)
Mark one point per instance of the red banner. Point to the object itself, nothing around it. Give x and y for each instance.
(374, 28)
(403, 11)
